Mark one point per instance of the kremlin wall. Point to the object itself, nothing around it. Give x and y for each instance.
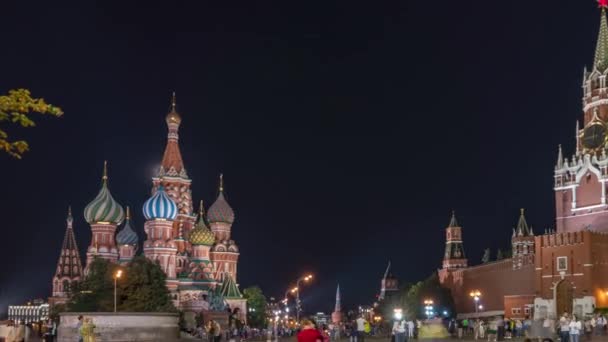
(565, 270)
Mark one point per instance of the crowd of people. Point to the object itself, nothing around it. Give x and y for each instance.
(12, 331)
(568, 328)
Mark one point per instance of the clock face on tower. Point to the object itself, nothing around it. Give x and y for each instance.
(594, 136)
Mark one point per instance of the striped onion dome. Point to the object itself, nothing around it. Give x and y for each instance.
(201, 235)
(104, 208)
(127, 236)
(220, 210)
(160, 206)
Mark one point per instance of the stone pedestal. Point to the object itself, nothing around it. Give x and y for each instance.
(122, 326)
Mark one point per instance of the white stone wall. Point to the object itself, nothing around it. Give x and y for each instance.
(122, 326)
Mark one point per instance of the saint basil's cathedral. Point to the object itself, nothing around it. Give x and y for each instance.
(195, 251)
(555, 271)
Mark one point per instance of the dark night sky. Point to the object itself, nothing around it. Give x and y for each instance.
(346, 131)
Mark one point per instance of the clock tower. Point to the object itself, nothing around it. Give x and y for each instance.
(580, 181)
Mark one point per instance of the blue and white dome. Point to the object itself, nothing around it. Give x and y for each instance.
(160, 206)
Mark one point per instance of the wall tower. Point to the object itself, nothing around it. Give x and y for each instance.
(522, 243)
(454, 256)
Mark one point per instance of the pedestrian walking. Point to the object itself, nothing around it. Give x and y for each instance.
(575, 329)
(564, 328)
(588, 329)
(78, 326)
(360, 329)
(309, 333)
(399, 327)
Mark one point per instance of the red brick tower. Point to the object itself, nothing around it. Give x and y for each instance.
(454, 256)
(69, 267)
(225, 252)
(522, 243)
(580, 182)
(104, 214)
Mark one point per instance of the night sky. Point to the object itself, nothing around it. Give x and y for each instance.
(346, 131)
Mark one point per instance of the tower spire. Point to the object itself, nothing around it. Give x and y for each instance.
(221, 183)
(601, 50)
(453, 222)
(560, 157)
(338, 307)
(172, 164)
(128, 217)
(522, 225)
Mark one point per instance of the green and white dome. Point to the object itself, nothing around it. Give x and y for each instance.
(104, 209)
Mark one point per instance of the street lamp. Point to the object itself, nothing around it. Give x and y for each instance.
(398, 313)
(476, 294)
(117, 275)
(428, 308)
(296, 290)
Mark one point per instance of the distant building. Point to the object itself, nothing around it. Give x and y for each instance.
(555, 271)
(321, 319)
(37, 311)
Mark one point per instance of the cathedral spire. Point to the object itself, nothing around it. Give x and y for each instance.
(601, 50)
(69, 266)
(172, 164)
(104, 178)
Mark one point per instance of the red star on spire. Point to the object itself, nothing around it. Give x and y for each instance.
(603, 3)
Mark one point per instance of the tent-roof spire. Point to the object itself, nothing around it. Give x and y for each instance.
(601, 50)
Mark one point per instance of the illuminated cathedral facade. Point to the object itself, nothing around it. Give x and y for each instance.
(195, 250)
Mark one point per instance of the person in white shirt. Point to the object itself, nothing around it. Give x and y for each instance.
(360, 329)
(575, 329)
(410, 329)
(399, 330)
(564, 328)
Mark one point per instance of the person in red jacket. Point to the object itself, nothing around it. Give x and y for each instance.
(309, 333)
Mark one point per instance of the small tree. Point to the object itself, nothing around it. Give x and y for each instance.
(141, 289)
(16, 108)
(256, 301)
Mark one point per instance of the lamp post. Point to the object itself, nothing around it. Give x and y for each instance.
(428, 308)
(117, 275)
(298, 304)
(476, 294)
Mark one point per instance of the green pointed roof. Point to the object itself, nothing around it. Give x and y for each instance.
(229, 288)
(601, 50)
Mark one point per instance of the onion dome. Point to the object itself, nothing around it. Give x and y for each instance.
(104, 209)
(201, 235)
(220, 210)
(127, 236)
(173, 116)
(160, 206)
